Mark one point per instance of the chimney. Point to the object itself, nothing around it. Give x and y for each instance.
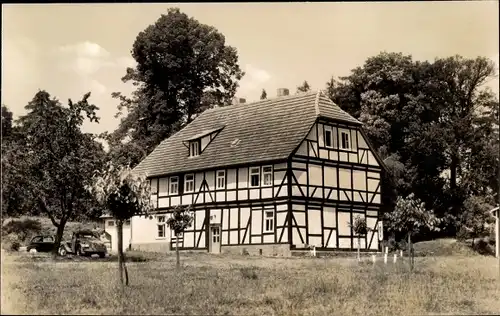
(238, 101)
(283, 92)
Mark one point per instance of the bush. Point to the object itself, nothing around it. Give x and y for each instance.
(15, 246)
(23, 228)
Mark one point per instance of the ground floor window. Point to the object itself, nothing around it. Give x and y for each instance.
(161, 226)
(269, 221)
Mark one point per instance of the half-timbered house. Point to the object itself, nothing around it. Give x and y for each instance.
(271, 177)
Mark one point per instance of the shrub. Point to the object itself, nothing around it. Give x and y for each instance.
(15, 246)
(22, 228)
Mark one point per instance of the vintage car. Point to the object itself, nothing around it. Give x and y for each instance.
(87, 242)
(41, 244)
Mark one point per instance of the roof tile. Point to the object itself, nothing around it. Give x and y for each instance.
(267, 130)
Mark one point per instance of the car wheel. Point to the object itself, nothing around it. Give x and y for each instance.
(102, 255)
(62, 251)
(33, 250)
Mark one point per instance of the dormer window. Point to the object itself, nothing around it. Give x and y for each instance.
(194, 148)
(199, 142)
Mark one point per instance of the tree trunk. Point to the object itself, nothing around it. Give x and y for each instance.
(121, 257)
(178, 263)
(59, 236)
(359, 247)
(453, 171)
(410, 251)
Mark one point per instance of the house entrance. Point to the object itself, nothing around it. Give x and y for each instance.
(214, 242)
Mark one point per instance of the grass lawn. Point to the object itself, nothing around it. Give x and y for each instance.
(242, 285)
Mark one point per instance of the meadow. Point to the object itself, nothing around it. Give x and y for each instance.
(246, 285)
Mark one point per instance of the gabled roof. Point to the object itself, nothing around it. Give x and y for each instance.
(267, 130)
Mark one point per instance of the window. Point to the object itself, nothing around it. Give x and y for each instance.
(189, 183)
(221, 179)
(267, 174)
(254, 177)
(37, 239)
(111, 223)
(174, 185)
(345, 141)
(48, 239)
(161, 226)
(215, 235)
(269, 221)
(328, 136)
(194, 148)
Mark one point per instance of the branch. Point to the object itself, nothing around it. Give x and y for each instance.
(44, 208)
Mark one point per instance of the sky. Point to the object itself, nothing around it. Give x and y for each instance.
(70, 49)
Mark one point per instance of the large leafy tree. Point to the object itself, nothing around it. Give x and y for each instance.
(14, 199)
(58, 159)
(424, 119)
(183, 67)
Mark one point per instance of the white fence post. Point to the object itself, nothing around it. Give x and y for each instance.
(374, 258)
(385, 258)
(395, 257)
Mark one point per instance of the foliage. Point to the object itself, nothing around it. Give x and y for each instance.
(410, 216)
(263, 95)
(123, 193)
(473, 222)
(55, 160)
(7, 122)
(359, 226)
(183, 68)
(15, 201)
(180, 219)
(304, 87)
(434, 124)
(15, 246)
(22, 228)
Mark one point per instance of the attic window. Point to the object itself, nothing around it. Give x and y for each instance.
(194, 148)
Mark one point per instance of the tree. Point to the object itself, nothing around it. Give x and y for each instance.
(14, 199)
(58, 159)
(424, 118)
(304, 87)
(458, 89)
(473, 222)
(180, 219)
(6, 122)
(410, 217)
(183, 68)
(263, 96)
(123, 194)
(360, 229)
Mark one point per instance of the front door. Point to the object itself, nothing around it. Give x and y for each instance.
(214, 244)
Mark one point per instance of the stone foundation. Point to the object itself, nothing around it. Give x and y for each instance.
(282, 250)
